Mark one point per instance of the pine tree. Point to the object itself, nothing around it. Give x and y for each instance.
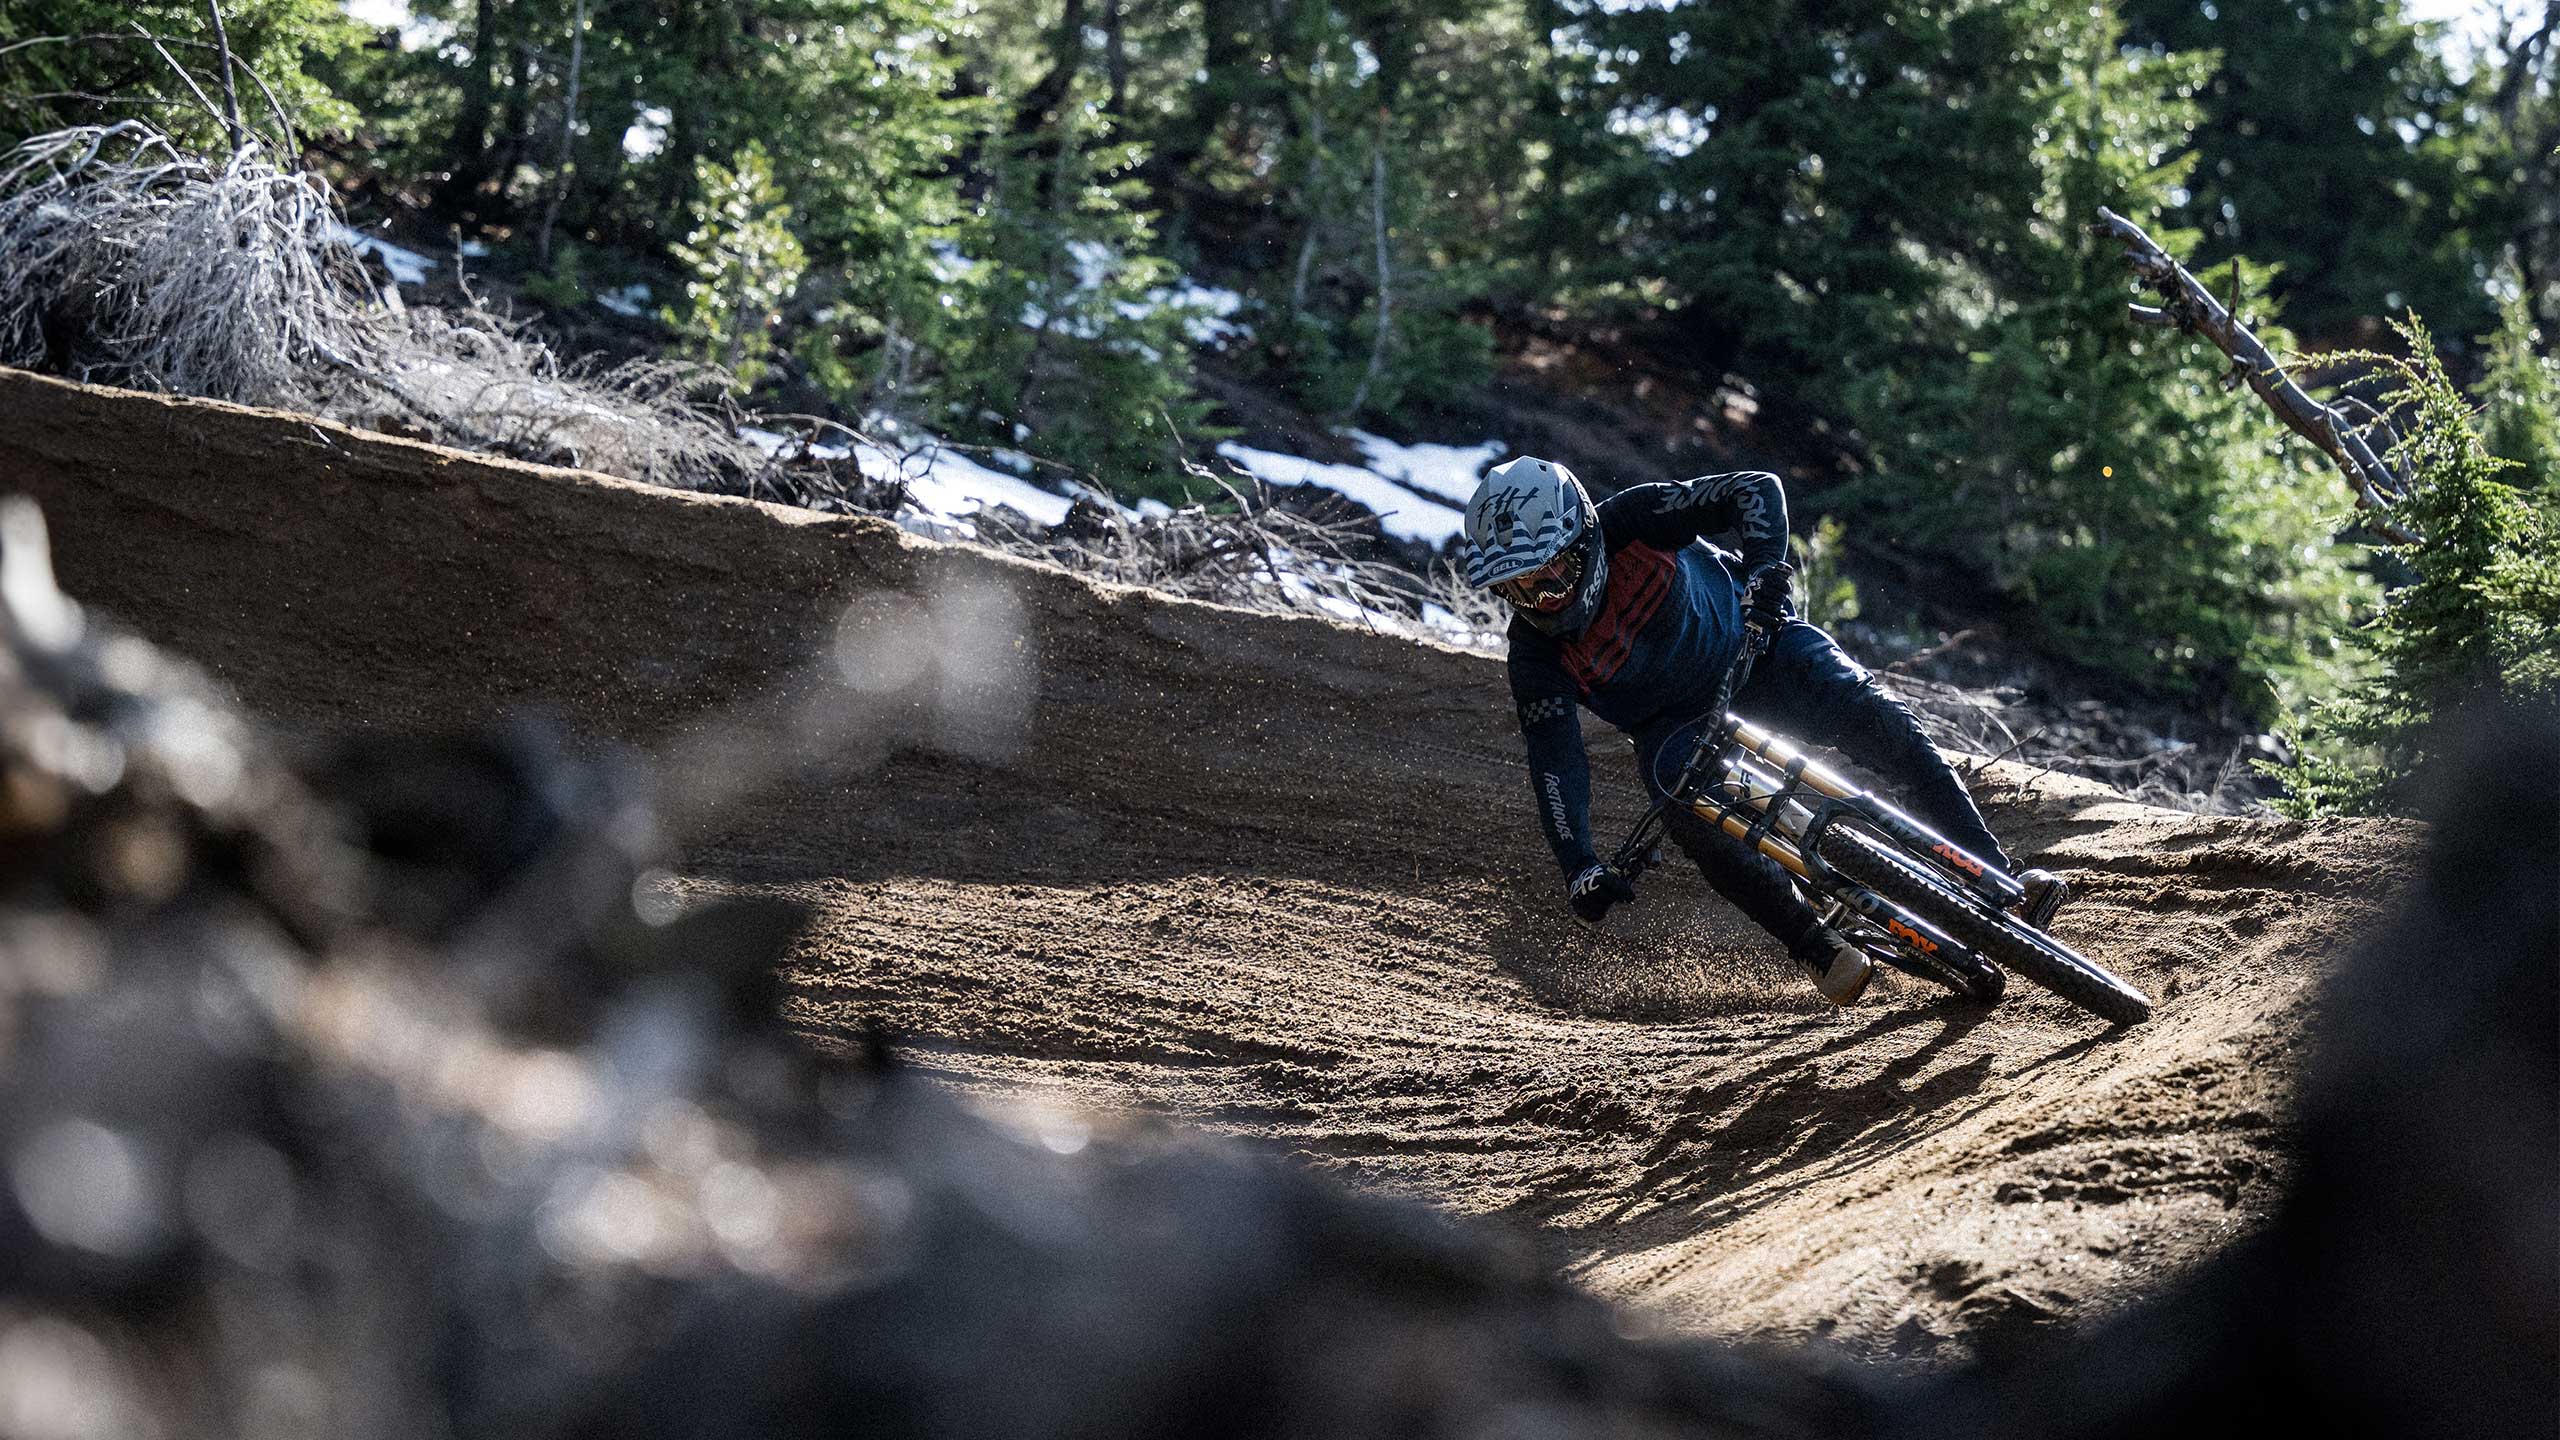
(2148, 520)
(744, 262)
(1789, 182)
(2519, 393)
(1058, 339)
(2477, 626)
(2335, 145)
(1389, 230)
(49, 85)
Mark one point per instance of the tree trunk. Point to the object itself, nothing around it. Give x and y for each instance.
(469, 143)
(230, 87)
(601, 161)
(712, 31)
(1229, 33)
(568, 137)
(1310, 198)
(1386, 286)
(515, 125)
(1066, 57)
(1115, 58)
(1062, 275)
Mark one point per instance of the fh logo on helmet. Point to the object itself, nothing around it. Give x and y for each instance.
(1502, 517)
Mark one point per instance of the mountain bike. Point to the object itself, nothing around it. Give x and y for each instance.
(1903, 892)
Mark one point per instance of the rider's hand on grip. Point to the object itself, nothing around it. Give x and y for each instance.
(1595, 890)
(1766, 600)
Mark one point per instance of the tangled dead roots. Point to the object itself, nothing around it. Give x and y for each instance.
(1256, 554)
(127, 261)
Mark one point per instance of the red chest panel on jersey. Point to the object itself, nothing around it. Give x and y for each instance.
(1639, 576)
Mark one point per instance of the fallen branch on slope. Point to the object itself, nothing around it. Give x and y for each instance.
(1256, 555)
(2187, 305)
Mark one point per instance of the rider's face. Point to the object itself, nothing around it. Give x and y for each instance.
(1547, 589)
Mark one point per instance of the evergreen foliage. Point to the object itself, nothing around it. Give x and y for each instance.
(2520, 402)
(1873, 210)
(2148, 519)
(104, 71)
(1798, 189)
(744, 263)
(1059, 339)
(1830, 596)
(2334, 146)
(2476, 628)
(1377, 207)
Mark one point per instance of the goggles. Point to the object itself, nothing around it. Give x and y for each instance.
(1548, 588)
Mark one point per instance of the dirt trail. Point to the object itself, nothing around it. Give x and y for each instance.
(1271, 876)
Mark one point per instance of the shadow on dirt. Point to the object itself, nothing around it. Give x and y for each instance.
(1788, 1125)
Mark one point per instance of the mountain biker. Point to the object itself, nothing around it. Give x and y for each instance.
(1626, 608)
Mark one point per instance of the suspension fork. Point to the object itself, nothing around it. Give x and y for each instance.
(1749, 802)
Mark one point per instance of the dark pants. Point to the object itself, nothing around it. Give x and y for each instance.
(1806, 689)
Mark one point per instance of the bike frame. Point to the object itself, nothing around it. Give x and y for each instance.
(1765, 791)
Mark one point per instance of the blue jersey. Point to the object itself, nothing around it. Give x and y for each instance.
(1668, 627)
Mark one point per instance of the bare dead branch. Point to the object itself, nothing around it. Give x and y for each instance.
(230, 90)
(232, 281)
(2188, 305)
(275, 104)
(1254, 555)
(177, 69)
(1923, 657)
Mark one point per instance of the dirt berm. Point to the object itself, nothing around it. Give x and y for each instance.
(1274, 877)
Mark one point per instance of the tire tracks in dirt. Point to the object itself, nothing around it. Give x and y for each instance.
(1275, 878)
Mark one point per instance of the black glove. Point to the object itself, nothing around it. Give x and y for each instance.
(1766, 600)
(1598, 887)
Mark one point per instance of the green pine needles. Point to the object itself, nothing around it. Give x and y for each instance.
(2519, 396)
(2476, 629)
(744, 263)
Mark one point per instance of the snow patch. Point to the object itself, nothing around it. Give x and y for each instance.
(944, 484)
(1207, 311)
(949, 489)
(1401, 512)
(407, 267)
(1446, 472)
(948, 484)
(646, 135)
(632, 300)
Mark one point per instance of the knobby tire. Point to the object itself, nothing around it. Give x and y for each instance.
(2045, 961)
(1983, 988)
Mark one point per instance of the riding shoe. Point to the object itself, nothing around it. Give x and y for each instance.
(1840, 970)
(2045, 893)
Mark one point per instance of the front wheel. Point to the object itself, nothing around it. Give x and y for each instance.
(2030, 952)
(1936, 957)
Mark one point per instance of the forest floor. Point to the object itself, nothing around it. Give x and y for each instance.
(1082, 851)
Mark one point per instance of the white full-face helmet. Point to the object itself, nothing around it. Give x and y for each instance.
(1533, 538)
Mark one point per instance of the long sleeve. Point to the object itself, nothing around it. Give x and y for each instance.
(1748, 505)
(1559, 770)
